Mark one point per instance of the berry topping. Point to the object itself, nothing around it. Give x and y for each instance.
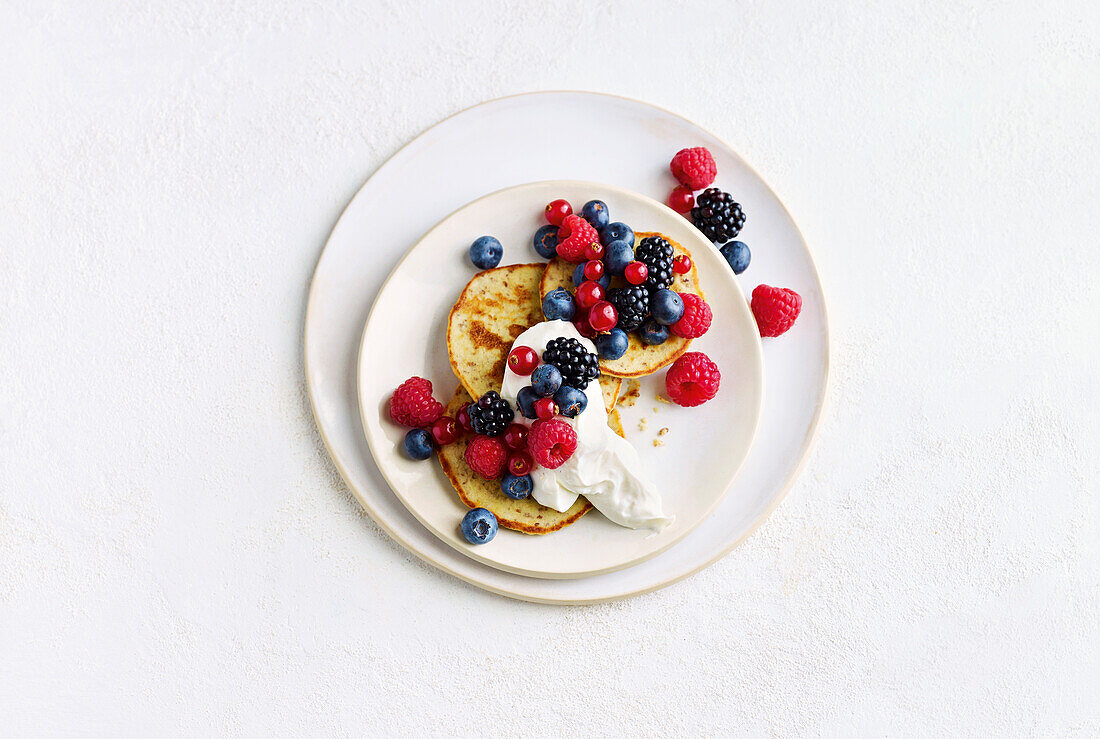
(546, 380)
(632, 305)
(486, 252)
(479, 526)
(692, 380)
(558, 305)
(681, 265)
(520, 463)
(617, 255)
(578, 366)
(595, 250)
(557, 210)
(571, 402)
(694, 168)
(775, 308)
(491, 414)
(613, 344)
(602, 317)
(486, 456)
(653, 333)
(717, 215)
(636, 273)
(588, 294)
(462, 418)
(696, 319)
(681, 199)
(737, 254)
(574, 238)
(418, 444)
(412, 403)
(444, 431)
(545, 408)
(525, 400)
(593, 270)
(666, 306)
(515, 436)
(617, 232)
(595, 212)
(522, 360)
(546, 242)
(656, 254)
(584, 328)
(552, 443)
(516, 487)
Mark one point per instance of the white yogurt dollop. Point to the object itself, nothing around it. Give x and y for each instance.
(605, 467)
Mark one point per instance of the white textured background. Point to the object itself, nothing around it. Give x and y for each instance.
(179, 556)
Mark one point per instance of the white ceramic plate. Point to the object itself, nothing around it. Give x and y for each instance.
(697, 459)
(533, 137)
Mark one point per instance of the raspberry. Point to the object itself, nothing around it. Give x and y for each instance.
(775, 308)
(486, 456)
(694, 168)
(412, 403)
(696, 319)
(692, 380)
(551, 443)
(574, 238)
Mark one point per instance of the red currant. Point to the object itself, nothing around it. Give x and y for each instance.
(603, 317)
(584, 328)
(515, 436)
(545, 408)
(593, 270)
(520, 463)
(682, 199)
(636, 273)
(463, 419)
(594, 251)
(444, 431)
(588, 294)
(681, 265)
(557, 210)
(523, 360)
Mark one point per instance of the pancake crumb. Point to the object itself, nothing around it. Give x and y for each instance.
(663, 431)
(642, 424)
(658, 442)
(663, 399)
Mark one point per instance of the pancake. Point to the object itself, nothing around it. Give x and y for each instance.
(495, 307)
(640, 359)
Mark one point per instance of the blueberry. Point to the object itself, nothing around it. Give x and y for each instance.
(558, 305)
(666, 306)
(516, 488)
(616, 232)
(546, 241)
(545, 380)
(578, 277)
(738, 256)
(525, 400)
(570, 401)
(479, 526)
(418, 444)
(613, 344)
(618, 254)
(595, 212)
(653, 333)
(486, 252)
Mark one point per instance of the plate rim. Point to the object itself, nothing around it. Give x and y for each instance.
(809, 439)
(472, 552)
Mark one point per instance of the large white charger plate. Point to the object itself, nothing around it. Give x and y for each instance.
(695, 460)
(542, 136)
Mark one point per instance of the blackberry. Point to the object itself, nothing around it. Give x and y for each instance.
(632, 305)
(491, 414)
(656, 254)
(717, 215)
(578, 366)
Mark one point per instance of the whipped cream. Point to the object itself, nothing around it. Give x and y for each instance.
(605, 467)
